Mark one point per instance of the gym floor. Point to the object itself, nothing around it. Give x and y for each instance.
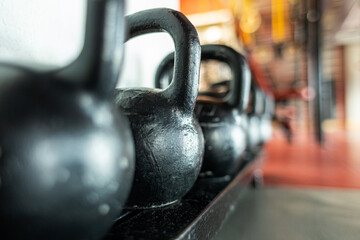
(310, 192)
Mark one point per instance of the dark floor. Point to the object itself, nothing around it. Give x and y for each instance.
(297, 214)
(310, 192)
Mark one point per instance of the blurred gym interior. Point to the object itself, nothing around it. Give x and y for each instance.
(304, 54)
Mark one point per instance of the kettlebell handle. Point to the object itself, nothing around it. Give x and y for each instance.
(268, 104)
(258, 100)
(99, 63)
(239, 87)
(264, 102)
(183, 90)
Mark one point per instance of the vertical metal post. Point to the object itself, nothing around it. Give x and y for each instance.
(314, 62)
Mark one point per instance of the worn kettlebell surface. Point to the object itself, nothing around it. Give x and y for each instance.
(220, 114)
(225, 138)
(168, 146)
(169, 141)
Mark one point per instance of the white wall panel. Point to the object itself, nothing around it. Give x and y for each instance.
(50, 32)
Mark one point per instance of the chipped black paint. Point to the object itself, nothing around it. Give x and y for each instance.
(168, 140)
(199, 215)
(222, 123)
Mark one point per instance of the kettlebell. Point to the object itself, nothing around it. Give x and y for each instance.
(265, 118)
(254, 137)
(220, 115)
(168, 140)
(66, 153)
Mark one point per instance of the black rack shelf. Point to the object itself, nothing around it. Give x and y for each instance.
(199, 215)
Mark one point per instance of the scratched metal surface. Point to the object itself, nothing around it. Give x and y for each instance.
(199, 215)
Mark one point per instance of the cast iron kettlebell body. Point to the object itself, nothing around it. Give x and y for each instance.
(220, 116)
(168, 141)
(66, 154)
(254, 137)
(265, 118)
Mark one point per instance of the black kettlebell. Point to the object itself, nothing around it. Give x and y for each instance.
(66, 153)
(220, 115)
(168, 140)
(254, 137)
(266, 117)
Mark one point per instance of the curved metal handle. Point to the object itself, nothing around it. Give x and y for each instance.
(184, 89)
(239, 87)
(258, 100)
(99, 63)
(269, 105)
(263, 101)
(165, 66)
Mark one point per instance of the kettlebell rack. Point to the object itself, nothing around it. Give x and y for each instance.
(199, 215)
